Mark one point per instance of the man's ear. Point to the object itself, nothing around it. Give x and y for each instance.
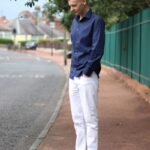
(84, 2)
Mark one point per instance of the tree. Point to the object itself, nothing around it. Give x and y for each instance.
(49, 9)
(112, 11)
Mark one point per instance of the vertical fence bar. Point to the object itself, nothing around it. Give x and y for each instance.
(145, 47)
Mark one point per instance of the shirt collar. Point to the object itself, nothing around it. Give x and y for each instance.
(87, 15)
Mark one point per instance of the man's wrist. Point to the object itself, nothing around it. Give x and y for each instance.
(87, 73)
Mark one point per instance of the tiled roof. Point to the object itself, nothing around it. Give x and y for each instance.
(3, 20)
(5, 28)
(26, 26)
(47, 30)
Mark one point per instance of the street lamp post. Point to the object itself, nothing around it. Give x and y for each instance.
(65, 48)
(52, 25)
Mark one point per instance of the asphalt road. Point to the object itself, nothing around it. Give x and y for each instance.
(30, 88)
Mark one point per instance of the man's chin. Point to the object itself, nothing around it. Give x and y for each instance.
(76, 13)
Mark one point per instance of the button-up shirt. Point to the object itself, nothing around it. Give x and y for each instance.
(87, 36)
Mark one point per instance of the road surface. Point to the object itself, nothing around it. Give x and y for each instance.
(30, 88)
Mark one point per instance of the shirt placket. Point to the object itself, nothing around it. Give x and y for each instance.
(77, 40)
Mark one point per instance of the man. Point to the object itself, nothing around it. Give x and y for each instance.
(87, 35)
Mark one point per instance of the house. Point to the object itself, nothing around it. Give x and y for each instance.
(5, 32)
(49, 31)
(29, 26)
(24, 29)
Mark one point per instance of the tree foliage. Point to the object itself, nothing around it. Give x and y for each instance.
(49, 9)
(112, 11)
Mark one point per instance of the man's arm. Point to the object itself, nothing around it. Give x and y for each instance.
(98, 41)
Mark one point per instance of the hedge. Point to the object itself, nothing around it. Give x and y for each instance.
(6, 41)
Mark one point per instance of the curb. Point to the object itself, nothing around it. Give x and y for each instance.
(52, 119)
(44, 132)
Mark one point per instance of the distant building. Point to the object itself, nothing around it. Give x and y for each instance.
(5, 31)
(30, 25)
(3, 20)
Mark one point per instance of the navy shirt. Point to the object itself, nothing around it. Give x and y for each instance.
(87, 36)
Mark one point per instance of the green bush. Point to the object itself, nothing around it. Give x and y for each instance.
(6, 41)
(51, 40)
(22, 43)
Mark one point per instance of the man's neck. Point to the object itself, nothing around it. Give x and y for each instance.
(84, 12)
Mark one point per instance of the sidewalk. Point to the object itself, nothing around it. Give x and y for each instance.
(124, 114)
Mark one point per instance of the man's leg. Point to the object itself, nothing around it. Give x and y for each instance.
(77, 115)
(89, 95)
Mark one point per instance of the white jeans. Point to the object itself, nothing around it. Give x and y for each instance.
(83, 92)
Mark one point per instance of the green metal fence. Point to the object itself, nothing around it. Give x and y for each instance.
(127, 47)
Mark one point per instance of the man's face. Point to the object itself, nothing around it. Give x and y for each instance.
(76, 6)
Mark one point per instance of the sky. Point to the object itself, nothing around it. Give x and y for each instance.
(11, 8)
